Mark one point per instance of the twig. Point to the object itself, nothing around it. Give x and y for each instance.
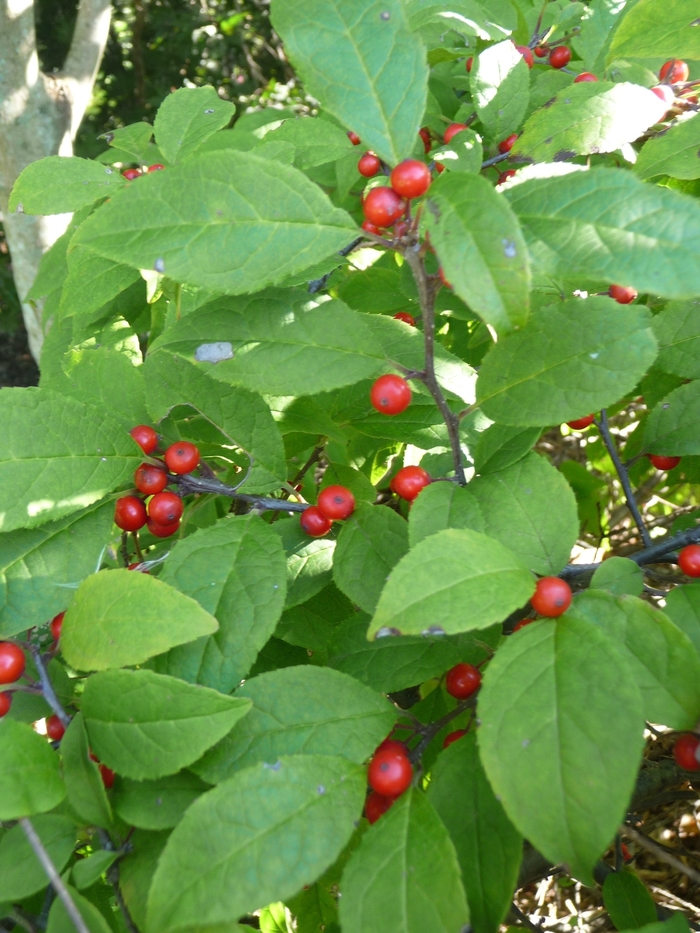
(20, 920)
(494, 160)
(53, 875)
(317, 285)
(660, 852)
(431, 729)
(524, 919)
(315, 457)
(194, 484)
(47, 687)
(604, 429)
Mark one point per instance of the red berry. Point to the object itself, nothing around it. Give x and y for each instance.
(410, 178)
(165, 508)
(383, 207)
(504, 176)
(376, 805)
(12, 662)
(131, 173)
(452, 131)
(390, 772)
(622, 294)
(584, 77)
(664, 463)
(130, 513)
(686, 751)
(439, 168)
(156, 167)
(453, 737)
(336, 502)
(150, 479)
(392, 745)
(507, 144)
(469, 63)
(526, 54)
(55, 728)
(137, 566)
(371, 228)
(5, 703)
(162, 531)
(443, 279)
(674, 71)
(664, 93)
(354, 138)
(542, 51)
(369, 165)
(107, 776)
(56, 626)
(580, 423)
(409, 481)
(689, 560)
(145, 437)
(552, 597)
(521, 624)
(625, 852)
(181, 457)
(424, 134)
(314, 522)
(560, 56)
(390, 395)
(462, 681)
(405, 317)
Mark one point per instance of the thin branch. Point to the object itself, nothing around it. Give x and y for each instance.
(194, 484)
(494, 160)
(431, 729)
(47, 687)
(657, 553)
(660, 852)
(604, 428)
(314, 458)
(53, 875)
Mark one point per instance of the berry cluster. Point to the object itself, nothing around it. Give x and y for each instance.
(335, 503)
(390, 775)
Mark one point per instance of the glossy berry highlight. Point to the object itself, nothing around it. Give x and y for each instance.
(686, 752)
(462, 680)
(383, 207)
(674, 71)
(181, 457)
(130, 513)
(369, 165)
(410, 178)
(12, 662)
(314, 522)
(336, 502)
(689, 560)
(145, 437)
(390, 772)
(390, 395)
(560, 56)
(150, 479)
(552, 597)
(409, 481)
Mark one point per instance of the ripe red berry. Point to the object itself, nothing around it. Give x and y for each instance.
(622, 294)
(5, 703)
(56, 626)
(689, 560)
(391, 745)
(424, 134)
(664, 93)
(584, 77)
(674, 71)
(405, 317)
(526, 54)
(138, 566)
(452, 131)
(130, 513)
(107, 776)
(462, 681)
(145, 437)
(336, 502)
(12, 662)
(390, 772)
(580, 423)
(439, 168)
(507, 144)
(560, 56)
(376, 805)
(150, 479)
(162, 531)
(55, 728)
(131, 173)
(504, 176)
(453, 737)
(686, 751)
(165, 508)
(314, 522)
(443, 279)
(469, 63)
(369, 165)
(664, 463)
(409, 481)
(383, 206)
(552, 597)
(181, 457)
(156, 167)
(542, 51)
(371, 228)
(390, 395)
(354, 138)
(521, 624)
(410, 178)
(626, 854)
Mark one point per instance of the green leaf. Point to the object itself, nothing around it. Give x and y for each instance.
(619, 576)
(40, 566)
(627, 901)
(30, 781)
(672, 425)
(597, 30)
(146, 725)
(134, 140)
(404, 876)
(469, 16)
(363, 63)
(674, 153)
(92, 281)
(604, 223)
(488, 847)
(656, 28)
(314, 624)
(683, 608)
(429, 587)
(500, 85)
(59, 455)
(562, 721)
(228, 221)
(84, 787)
(502, 445)
(255, 825)
(187, 118)
(301, 710)
(60, 922)
(372, 541)
(677, 923)
(315, 141)
(57, 185)
(136, 871)
(677, 329)
(242, 416)
(21, 873)
(309, 561)
(588, 118)
(440, 506)
(157, 804)
(88, 870)
(666, 669)
(529, 507)
(118, 618)
(463, 153)
(570, 358)
(481, 248)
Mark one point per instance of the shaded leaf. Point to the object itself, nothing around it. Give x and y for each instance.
(157, 804)
(84, 787)
(60, 184)
(21, 872)
(30, 780)
(673, 153)
(627, 901)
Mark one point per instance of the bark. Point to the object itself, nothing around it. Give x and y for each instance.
(39, 116)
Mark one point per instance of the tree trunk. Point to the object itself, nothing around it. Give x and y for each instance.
(39, 116)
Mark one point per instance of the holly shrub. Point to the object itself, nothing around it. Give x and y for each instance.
(351, 425)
